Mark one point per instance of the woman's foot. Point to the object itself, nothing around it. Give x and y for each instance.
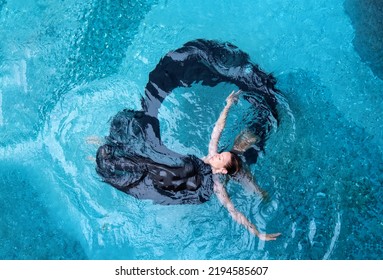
(94, 140)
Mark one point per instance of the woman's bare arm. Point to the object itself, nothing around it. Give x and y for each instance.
(220, 124)
(247, 180)
(223, 197)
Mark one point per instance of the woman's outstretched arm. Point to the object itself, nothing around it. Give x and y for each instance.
(220, 124)
(248, 181)
(223, 197)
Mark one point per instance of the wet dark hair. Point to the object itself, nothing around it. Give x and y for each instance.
(234, 165)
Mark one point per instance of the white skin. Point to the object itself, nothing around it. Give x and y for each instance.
(218, 162)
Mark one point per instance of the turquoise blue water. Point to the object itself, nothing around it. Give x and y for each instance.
(67, 67)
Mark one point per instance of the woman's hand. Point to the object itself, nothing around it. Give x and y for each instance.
(263, 236)
(268, 237)
(233, 97)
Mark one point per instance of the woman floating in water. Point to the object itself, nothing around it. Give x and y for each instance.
(135, 161)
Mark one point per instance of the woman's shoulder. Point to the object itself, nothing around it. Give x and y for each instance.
(193, 158)
(199, 164)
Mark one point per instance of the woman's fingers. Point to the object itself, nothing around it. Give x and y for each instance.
(268, 237)
(233, 97)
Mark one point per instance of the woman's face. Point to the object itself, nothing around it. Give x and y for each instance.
(219, 161)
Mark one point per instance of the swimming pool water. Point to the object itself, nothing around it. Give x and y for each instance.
(67, 67)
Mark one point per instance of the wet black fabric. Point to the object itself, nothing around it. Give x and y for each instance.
(123, 162)
(135, 161)
(209, 62)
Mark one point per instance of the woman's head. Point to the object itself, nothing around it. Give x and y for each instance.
(225, 163)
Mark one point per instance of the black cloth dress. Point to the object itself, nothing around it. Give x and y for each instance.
(135, 161)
